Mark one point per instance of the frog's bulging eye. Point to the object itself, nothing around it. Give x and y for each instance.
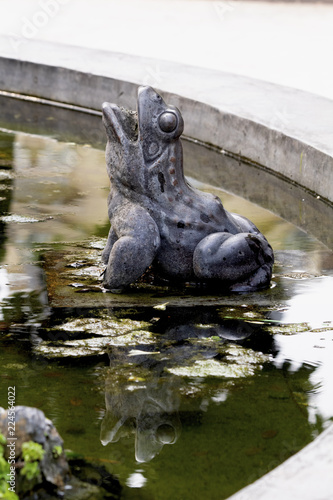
(168, 121)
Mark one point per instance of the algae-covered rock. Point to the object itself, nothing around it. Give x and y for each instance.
(22, 425)
(92, 336)
(91, 479)
(81, 490)
(238, 362)
(26, 428)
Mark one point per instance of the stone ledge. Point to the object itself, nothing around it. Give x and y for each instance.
(294, 479)
(284, 130)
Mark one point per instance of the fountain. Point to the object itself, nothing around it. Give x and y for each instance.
(159, 220)
(158, 379)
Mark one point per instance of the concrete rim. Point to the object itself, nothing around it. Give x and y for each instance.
(285, 131)
(282, 129)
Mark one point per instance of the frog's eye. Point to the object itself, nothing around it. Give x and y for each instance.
(168, 121)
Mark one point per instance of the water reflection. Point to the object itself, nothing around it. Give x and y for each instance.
(314, 349)
(147, 384)
(147, 408)
(142, 394)
(311, 303)
(49, 193)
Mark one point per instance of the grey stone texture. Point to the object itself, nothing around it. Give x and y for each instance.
(32, 425)
(159, 220)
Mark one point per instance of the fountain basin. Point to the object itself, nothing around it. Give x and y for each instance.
(229, 113)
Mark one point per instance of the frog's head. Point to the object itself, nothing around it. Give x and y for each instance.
(138, 139)
(159, 123)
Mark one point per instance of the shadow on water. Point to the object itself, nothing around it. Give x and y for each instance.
(179, 393)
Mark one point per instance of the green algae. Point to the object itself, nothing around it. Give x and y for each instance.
(212, 368)
(237, 363)
(100, 334)
(289, 329)
(92, 346)
(103, 326)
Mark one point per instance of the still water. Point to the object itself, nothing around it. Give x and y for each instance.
(177, 393)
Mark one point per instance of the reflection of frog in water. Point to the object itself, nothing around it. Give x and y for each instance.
(158, 218)
(146, 407)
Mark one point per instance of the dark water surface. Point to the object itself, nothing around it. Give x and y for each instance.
(178, 393)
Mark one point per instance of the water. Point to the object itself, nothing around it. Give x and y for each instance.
(179, 393)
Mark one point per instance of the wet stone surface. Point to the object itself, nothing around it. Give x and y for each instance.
(74, 277)
(87, 320)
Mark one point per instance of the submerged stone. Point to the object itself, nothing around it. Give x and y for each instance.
(238, 363)
(103, 326)
(65, 340)
(74, 280)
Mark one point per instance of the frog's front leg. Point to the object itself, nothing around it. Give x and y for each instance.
(112, 238)
(137, 241)
(243, 261)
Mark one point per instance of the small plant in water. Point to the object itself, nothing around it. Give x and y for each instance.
(56, 451)
(32, 453)
(5, 493)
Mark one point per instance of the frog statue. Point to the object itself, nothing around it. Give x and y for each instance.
(158, 220)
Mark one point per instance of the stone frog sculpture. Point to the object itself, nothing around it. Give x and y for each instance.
(159, 220)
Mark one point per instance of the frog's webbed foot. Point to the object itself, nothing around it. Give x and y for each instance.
(243, 261)
(134, 250)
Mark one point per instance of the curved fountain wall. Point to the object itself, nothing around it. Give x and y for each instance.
(282, 129)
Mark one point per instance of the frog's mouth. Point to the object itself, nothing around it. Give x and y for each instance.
(121, 124)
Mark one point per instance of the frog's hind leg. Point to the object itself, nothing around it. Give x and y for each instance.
(243, 261)
(134, 250)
